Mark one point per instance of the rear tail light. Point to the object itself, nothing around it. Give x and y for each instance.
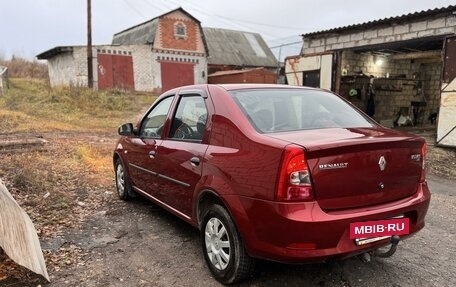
(423, 171)
(294, 182)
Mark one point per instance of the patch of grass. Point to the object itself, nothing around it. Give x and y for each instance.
(97, 159)
(31, 105)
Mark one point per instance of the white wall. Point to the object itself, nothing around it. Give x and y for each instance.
(69, 68)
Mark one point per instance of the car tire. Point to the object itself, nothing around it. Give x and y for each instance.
(223, 249)
(123, 186)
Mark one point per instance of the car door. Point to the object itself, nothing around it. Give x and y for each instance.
(181, 154)
(142, 163)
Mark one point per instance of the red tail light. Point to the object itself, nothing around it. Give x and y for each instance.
(294, 182)
(423, 170)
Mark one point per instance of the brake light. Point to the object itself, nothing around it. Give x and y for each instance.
(294, 182)
(423, 170)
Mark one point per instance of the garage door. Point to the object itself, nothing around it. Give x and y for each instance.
(176, 74)
(115, 71)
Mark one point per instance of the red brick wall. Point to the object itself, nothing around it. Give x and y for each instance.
(170, 41)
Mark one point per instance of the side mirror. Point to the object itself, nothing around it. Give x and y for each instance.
(126, 130)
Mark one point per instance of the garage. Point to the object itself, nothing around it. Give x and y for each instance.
(399, 70)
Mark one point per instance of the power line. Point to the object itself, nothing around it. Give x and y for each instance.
(134, 9)
(158, 7)
(287, 44)
(217, 18)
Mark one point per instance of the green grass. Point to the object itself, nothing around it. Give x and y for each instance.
(32, 106)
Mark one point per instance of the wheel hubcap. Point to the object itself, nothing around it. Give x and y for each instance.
(217, 243)
(120, 180)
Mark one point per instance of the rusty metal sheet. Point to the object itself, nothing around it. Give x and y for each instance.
(449, 60)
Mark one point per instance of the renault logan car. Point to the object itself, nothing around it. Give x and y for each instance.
(289, 174)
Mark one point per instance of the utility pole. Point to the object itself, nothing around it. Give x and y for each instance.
(89, 45)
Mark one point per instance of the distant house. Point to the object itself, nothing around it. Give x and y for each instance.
(168, 51)
(235, 50)
(178, 50)
(160, 54)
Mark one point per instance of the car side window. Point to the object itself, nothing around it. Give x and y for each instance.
(152, 125)
(189, 122)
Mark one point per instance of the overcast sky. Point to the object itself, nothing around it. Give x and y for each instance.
(29, 27)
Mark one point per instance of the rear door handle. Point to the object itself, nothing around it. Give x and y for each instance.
(152, 154)
(195, 161)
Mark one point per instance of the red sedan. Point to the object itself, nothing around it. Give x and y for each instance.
(274, 172)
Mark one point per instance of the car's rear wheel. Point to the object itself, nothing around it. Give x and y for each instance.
(222, 246)
(123, 186)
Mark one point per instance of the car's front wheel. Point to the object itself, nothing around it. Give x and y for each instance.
(123, 186)
(222, 246)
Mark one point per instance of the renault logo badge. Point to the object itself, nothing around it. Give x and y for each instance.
(382, 163)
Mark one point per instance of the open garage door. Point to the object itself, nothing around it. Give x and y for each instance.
(312, 70)
(446, 129)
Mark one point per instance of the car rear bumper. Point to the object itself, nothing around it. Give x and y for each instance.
(303, 232)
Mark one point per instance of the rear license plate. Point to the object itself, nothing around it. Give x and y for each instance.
(379, 228)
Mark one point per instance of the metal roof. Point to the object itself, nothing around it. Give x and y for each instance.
(54, 51)
(237, 48)
(140, 34)
(450, 10)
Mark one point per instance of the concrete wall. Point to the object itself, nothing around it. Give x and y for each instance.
(382, 34)
(69, 68)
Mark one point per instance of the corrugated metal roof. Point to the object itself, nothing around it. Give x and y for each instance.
(237, 48)
(398, 19)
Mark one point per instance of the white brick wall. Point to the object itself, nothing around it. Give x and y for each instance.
(69, 69)
(382, 34)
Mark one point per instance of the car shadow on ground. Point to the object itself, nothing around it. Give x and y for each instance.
(184, 238)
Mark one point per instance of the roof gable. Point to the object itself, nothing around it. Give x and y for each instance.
(144, 33)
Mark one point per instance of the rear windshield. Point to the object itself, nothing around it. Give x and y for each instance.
(278, 110)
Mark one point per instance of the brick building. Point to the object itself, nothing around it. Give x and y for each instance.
(178, 50)
(403, 57)
(165, 52)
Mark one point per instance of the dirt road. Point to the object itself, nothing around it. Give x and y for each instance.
(140, 244)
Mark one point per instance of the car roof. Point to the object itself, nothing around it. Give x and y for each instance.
(230, 87)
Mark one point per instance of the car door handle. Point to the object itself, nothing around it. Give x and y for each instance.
(152, 154)
(195, 161)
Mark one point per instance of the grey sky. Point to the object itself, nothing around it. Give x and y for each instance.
(28, 27)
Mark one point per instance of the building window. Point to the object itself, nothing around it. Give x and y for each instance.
(180, 30)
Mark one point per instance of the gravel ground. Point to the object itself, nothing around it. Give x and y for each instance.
(137, 243)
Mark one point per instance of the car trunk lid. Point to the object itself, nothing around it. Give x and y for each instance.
(359, 167)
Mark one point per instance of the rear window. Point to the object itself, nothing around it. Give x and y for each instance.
(279, 110)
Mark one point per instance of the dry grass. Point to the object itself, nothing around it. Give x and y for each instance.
(51, 184)
(23, 68)
(32, 106)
